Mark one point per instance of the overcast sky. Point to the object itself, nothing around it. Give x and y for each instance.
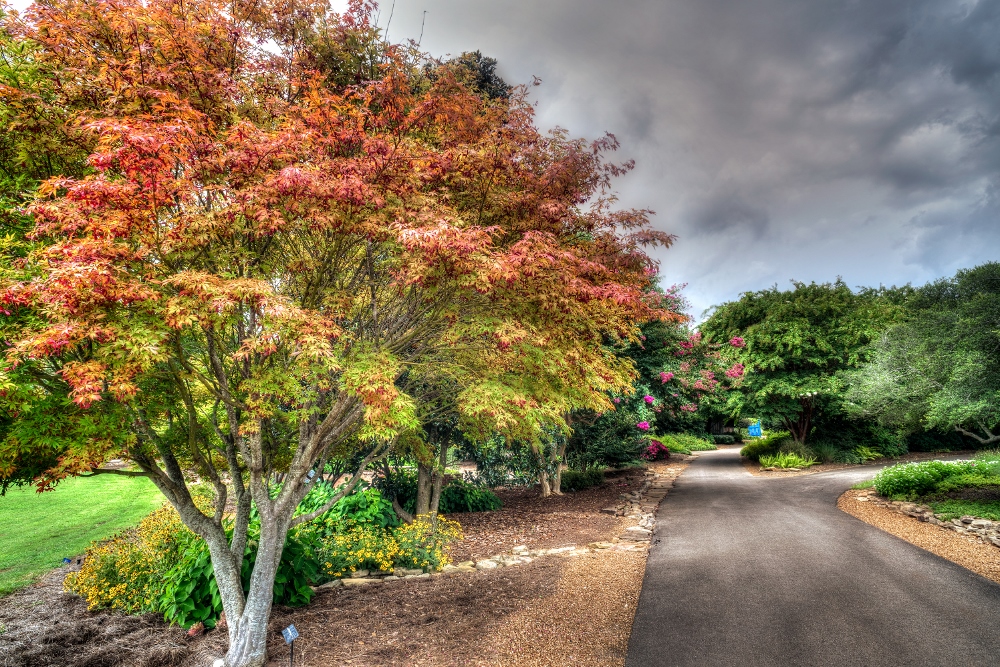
(778, 139)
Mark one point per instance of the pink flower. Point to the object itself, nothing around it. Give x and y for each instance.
(686, 345)
(666, 377)
(737, 342)
(690, 407)
(675, 395)
(696, 337)
(643, 426)
(616, 400)
(735, 371)
(649, 399)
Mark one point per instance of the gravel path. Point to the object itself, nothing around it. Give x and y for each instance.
(586, 621)
(753, 571)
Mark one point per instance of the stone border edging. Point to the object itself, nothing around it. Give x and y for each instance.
(985, 530)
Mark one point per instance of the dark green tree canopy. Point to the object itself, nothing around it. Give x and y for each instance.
(796, 343)
(940, 367)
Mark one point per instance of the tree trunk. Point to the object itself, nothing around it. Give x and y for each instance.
(559, 453)
(543, 480)
(438, 482)
(248, 634)
(424, 476)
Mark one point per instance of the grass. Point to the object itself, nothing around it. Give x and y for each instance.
(867, 484)
(38, 530)
(953, 509)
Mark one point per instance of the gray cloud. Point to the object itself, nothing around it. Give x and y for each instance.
(778, 138)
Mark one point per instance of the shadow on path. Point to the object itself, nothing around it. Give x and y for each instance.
(749, 570)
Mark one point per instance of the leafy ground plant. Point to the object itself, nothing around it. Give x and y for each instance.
(786, 460)
(953, 509)
(916, 479)
(766, 445)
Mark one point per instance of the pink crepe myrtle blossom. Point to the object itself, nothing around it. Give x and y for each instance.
(616, 400)
(642, 426)
(735, 371)
(649, 399)
(737, 341)
(666, 377)
(690, 407)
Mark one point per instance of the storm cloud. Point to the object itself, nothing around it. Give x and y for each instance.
(778, 139)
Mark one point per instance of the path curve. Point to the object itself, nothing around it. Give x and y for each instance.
(751, 571)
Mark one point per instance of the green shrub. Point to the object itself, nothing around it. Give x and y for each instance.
(457, 495)
(578, 480)
(461, 496)
(766, 445)
(724, 439)
(786, 460)
(797, 448)
(825, 451)
(685, 443)
(935, 441)
(917, 479)
(866, 454)
(365, 507)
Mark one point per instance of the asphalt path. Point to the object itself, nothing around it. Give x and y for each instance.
(750, 571)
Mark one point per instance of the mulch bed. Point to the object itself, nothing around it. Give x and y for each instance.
(445, 620)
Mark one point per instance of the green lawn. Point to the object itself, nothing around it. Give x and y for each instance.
(38, 530)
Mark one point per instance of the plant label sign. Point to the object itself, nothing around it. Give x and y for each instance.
(290, 634)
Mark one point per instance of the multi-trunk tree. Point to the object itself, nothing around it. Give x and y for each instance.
(287, 223)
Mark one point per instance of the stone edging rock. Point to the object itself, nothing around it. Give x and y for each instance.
(642, 505)
(985, 530)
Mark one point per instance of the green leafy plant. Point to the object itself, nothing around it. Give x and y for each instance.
(578, 480)
(724, 439)
(685, 443)
(952, 509)
(916, 479)
(770, 444)
(867, 454)
(461, 496)
(786, 460)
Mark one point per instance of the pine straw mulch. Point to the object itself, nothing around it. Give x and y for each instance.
(507, 616)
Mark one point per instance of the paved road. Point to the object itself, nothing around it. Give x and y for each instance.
(759, 571)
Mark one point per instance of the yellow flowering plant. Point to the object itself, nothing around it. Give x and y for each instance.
(125, 572)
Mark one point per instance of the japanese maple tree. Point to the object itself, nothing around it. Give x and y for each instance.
(289, 222)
